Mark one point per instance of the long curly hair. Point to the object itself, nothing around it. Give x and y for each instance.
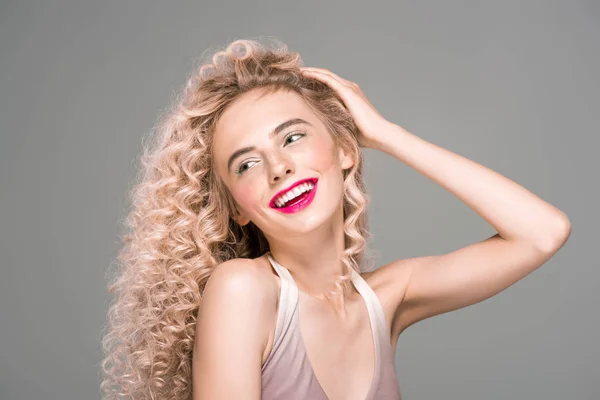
(180, 226)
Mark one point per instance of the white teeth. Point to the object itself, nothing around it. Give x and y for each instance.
(295, 192)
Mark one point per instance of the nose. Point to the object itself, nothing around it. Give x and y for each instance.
(280, 168)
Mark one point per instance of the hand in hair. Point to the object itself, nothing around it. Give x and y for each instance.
(368, 120)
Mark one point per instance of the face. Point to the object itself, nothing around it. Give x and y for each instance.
(277, 158)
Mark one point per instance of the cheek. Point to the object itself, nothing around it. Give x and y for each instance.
(322, 156)
(245, 196)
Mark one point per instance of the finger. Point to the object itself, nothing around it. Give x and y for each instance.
(334, 82)
(328, 73)
(329, 80)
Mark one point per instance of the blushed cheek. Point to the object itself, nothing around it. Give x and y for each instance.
(245, 197)
(322, 157)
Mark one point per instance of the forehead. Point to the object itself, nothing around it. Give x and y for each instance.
(251, 117)
(256, 111)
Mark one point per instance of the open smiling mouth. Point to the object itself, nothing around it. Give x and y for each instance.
(297, 199)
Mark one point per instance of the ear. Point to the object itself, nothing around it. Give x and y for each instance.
(346, 161)
(242, 220)
(240, 217)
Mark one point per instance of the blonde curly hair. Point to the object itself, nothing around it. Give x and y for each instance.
(180, 226)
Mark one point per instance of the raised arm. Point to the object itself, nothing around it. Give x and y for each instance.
(530, 230)
(231, 333)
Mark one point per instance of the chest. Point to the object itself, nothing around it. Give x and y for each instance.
(341, 354)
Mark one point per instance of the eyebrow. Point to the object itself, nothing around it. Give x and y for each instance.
(278, 129)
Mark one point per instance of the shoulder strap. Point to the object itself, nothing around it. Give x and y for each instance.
(373, 303)
(288, 299)
(283, 272)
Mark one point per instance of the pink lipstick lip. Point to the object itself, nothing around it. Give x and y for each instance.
(272, 202)
(301, 204)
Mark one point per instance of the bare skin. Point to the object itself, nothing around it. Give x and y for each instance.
(337, 348)
(337, 334)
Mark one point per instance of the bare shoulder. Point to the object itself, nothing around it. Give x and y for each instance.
(245, 270)
(232, 330)
(240, 283)
(389, 282)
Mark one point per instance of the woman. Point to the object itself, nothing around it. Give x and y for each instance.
(244, 274)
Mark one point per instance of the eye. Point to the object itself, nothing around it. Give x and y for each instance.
(240, 169)
(301, 134)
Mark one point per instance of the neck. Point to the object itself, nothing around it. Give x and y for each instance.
(314, 258)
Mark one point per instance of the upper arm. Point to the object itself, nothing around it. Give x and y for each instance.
(438, 284)
(231, 333)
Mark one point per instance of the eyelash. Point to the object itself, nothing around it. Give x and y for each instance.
(239, 171)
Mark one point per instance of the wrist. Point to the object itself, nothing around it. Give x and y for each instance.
(381, 139)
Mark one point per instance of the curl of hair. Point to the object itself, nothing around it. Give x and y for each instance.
(180, 226)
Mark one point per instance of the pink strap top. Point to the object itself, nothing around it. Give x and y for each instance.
(287, 373)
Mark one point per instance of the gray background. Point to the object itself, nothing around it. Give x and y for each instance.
(510, 84)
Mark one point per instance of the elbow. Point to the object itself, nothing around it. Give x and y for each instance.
(556, 236)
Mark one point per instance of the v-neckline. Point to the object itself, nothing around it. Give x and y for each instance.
(372, 326)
